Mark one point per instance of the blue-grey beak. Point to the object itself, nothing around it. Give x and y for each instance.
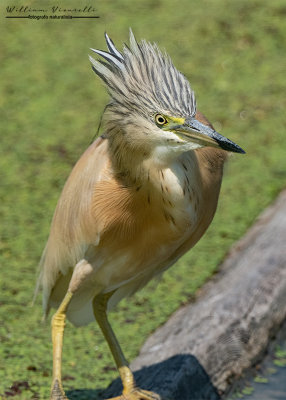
(206, 136)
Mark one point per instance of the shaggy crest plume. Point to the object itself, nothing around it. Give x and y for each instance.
(143, 79)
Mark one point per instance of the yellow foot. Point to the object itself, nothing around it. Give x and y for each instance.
(138, 394)
(57, 392)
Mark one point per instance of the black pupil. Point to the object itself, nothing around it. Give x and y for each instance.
(160, 120)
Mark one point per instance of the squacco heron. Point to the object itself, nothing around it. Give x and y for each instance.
(139, 197)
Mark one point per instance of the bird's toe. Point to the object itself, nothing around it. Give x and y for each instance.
(141, 394)
(57, 392)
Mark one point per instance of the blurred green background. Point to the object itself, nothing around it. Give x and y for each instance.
(233, 54)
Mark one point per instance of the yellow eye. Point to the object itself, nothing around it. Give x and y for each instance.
(160, 119)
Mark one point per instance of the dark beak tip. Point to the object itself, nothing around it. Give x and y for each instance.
(230, 146)
(240, 151)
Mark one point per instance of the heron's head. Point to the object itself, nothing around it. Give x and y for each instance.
(152, 105)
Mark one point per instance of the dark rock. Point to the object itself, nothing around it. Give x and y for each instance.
(180, 377)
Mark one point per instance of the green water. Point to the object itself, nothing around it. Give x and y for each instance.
(267, 381)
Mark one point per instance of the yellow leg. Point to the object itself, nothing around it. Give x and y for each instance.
(130, 392)
(58, 326)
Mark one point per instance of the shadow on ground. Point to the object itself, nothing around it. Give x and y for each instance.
(179, 378)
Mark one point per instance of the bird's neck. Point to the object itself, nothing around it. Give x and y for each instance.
(132, 164)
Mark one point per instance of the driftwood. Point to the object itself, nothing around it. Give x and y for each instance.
(206, 344)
